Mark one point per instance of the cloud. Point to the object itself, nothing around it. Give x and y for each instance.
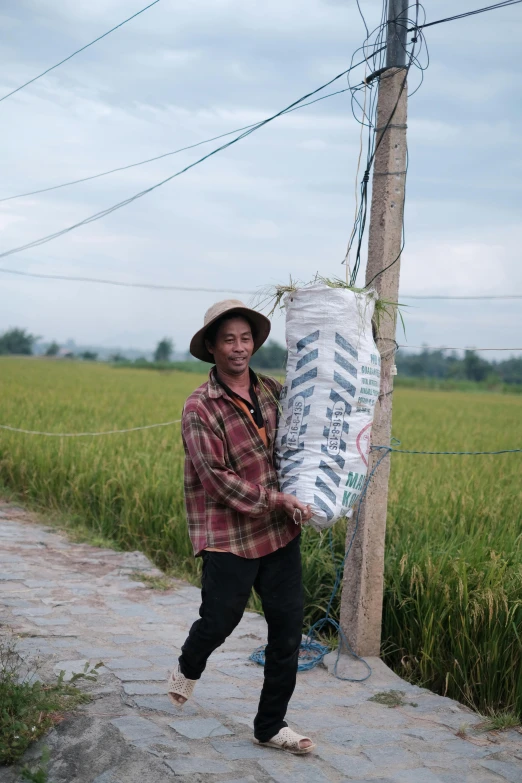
(313, 144)
(462, 268)
(279, 203)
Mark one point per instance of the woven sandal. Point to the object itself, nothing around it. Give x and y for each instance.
(179, 685)
(288, 740)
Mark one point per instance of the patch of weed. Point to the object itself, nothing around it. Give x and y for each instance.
(38, 775)
(391, 699)
(462, 731)
(162, 582)
(28, 708)
(500, 720)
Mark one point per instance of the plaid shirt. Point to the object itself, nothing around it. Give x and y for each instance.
(231, 491)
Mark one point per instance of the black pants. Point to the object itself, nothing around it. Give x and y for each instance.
(226, 585)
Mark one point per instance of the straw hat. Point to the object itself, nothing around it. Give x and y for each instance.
(230, 307)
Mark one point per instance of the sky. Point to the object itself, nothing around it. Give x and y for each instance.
(278, 204)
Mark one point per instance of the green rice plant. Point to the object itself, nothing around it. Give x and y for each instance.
(453, 573)
(452, 617)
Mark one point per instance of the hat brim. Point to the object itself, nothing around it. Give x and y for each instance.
(261, 324)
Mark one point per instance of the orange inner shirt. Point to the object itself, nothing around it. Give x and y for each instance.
(244, 407)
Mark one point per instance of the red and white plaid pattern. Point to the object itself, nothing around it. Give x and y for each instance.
(231, 492)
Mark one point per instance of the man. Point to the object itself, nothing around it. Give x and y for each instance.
(246, 531)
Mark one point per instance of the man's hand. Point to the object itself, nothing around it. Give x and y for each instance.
(296, 510)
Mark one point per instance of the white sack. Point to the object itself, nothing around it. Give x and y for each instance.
(331, 387)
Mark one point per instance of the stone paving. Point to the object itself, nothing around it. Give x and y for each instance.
(71, 603)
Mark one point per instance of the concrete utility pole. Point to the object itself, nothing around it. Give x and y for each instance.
(361, 602)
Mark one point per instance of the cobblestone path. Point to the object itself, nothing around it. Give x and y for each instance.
(72, 603)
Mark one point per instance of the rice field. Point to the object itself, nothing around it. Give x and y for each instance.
(453, 573)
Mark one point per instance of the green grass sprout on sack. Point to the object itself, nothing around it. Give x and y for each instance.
(272, 297)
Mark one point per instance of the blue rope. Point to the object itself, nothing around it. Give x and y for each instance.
(312, 652)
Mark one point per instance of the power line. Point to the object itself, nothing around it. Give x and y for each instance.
(486, 296)
(494, 7)
(136, 196)
(207, 290)
(164, 155)
(78, 51)
(452, 348)
(363, 19)
(154, 286)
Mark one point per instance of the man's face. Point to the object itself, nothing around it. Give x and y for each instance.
(233, 346)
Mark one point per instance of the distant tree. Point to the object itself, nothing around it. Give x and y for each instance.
(472, 367)
(510, 370)
(271, 356)
(429, 364)
(454, 367)
(475, 368)
(116, 357)
(89, 356)
(163, 350)
(52, 349)
(17, 341)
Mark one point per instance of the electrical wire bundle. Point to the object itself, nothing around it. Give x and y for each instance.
(365, 111)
